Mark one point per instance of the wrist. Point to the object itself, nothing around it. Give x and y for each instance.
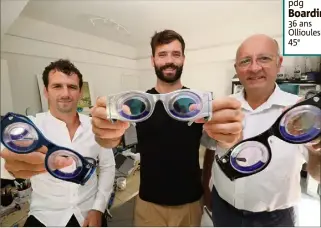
(108, 143)
(96, 211)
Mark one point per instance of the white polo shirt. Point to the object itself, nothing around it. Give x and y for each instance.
(277, 186)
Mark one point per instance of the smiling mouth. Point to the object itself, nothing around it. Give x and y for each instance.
(169, 69)
(255, 78)
(64, 101)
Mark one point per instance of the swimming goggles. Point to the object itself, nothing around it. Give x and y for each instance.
(183, 105)
(20, 135)
(298, 125)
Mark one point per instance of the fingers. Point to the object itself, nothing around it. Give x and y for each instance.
(99, 112)
(225, 103)
(61, 162)
(227, 128)
(226, 124)
(24, 165)
(126, 109)
(15, 166)
(315, 145)
(227, 116)
(194, 107)
(36, 157)
(26, 174)
(105, 133)
(99, 123)
(227, 140)
(316, 141)
(101, 101)
(102, 127)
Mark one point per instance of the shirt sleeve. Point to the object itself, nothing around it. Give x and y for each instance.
(105, 179)
(305, 152)
(208, 142)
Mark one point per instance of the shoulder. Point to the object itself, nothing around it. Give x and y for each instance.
(85, 120)
(289, 98)
(39, 117)
(151, 91)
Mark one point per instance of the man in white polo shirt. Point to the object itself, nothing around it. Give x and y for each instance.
(267, 198)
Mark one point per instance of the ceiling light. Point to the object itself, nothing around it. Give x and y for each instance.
(112, 22)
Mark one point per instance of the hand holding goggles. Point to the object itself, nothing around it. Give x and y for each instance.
(298, 125)
(183, 105)
(21, 136)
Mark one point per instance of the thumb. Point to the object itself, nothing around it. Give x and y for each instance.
(194, 107)
(101, 101)
(42, 149)
(61, 162)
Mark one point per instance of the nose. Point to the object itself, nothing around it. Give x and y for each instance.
(65, 91)
(254, 67)
(169, 59)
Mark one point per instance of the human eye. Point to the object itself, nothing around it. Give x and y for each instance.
(162, 54)
(244, 62)
(265, 59)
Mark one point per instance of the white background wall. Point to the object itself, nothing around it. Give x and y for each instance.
(6, 98)
(212, 68)
(29, 45)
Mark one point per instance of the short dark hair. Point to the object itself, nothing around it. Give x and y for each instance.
(166, 37)
(64, 66)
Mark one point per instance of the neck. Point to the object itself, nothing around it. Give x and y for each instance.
(164, 87)
(71, 119)
(256, 98)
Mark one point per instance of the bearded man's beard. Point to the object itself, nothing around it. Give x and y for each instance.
(169, 78)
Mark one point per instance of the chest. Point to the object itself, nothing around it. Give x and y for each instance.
(82, 140)
(257, 122)
(286, 157)
(163, 128)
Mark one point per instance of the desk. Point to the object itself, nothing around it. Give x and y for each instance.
(16, 218)
(19, 217)
(131, 190)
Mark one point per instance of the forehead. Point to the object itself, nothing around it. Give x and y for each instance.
(58, 77)
(172, 46)
(257, 47)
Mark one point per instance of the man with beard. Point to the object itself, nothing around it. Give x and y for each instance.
(55, 202)
(170, 177)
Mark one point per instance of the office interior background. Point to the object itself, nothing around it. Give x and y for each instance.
(109, 41)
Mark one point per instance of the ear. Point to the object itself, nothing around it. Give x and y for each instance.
(280, 61)
(152, 61)
(45, 92)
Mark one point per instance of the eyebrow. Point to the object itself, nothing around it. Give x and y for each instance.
(59, 84)
(261, 54)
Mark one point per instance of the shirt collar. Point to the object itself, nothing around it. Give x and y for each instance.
(50, 116)
(278, 97)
